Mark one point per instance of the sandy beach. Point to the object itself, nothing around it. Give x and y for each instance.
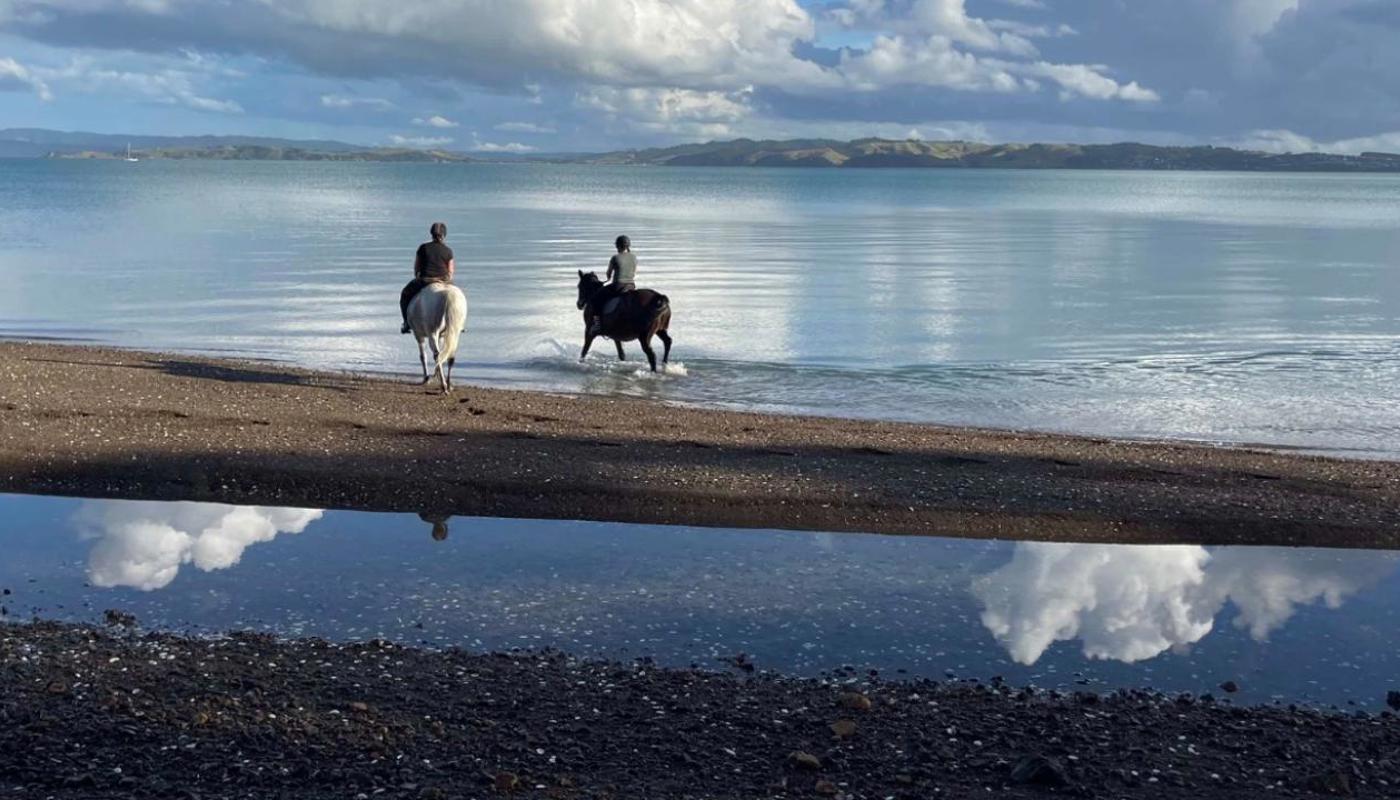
(102, 422)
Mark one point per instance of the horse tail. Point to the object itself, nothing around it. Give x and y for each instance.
(454, 314)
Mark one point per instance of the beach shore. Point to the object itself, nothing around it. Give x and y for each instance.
(103, 422)
(86, 713)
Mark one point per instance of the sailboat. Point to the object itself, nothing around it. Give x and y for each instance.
(129, 156)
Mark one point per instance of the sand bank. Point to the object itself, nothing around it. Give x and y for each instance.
(113, 423)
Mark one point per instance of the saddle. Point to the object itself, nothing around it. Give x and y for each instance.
(615, 304)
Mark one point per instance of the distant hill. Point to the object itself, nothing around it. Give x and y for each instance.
(39, 142)
(811, 153)
(958, 154)
(271, 153)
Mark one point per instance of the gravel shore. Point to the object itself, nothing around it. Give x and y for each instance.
(101, 422)
(116, 714)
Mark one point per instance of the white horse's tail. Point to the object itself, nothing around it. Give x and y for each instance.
(454, 320)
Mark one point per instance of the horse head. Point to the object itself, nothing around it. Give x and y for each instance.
(588, 285)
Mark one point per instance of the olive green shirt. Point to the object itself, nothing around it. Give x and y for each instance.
(623, 268)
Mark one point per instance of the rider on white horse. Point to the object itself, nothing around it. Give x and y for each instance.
(434, 310)
(434, 263)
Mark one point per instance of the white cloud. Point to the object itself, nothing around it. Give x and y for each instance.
(709, 49)
(347, 101)
(943, 19)
(419, 142)
(1285, 141)
(142, 545)
(1254, 18)
(669, 110)
(687, 43)
(434, 121)
(170, 85)
(931, 130)
(1083, 80)
(933, 61)
(14, 76)
(1131, 603)
(523, 127)
(210, 104)
(950, 18)
(1033, 31)
(507, 147)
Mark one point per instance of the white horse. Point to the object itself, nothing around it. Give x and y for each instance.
(438, 316)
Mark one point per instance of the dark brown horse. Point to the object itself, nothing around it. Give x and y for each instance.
(640, 314)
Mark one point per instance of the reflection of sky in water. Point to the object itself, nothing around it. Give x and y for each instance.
(1133, 603)
(1295, 624)
(142, 545)
(1219, 306)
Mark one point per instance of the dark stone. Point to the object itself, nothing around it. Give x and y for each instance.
(1392, 699)
(1037, 770)
(855, 701)
(119, 619)
(1230, 686)
(1333, 782)
(743, 662)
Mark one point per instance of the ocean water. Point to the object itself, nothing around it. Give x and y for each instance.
(1285, 624)
(1250, 308)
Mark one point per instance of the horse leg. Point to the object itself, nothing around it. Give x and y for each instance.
(437, 368)
(451, 362)
(423, 362)
(621, 356)
(666, 340)
(588, 338)
(646, 348)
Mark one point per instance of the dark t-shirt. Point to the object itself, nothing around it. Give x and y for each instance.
(432, 260)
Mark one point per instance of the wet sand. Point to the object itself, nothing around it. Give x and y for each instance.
(88, 714)
(101, 422)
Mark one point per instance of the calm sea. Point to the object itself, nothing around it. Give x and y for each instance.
(1222, 307)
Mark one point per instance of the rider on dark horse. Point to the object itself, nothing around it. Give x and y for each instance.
(434, 263)
(622, 277)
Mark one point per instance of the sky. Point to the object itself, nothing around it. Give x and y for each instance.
(588, 75)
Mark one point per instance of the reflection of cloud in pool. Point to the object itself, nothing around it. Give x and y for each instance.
(1267, 584)
(143, 544)
(1131, 603)
(1125, 603)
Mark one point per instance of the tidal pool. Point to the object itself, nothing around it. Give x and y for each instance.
(1302, 625)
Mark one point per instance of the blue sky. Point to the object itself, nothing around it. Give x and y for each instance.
(554, 75)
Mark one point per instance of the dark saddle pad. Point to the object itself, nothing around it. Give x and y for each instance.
(619, 304)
